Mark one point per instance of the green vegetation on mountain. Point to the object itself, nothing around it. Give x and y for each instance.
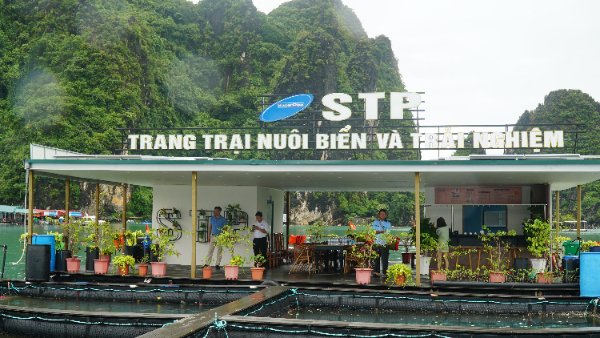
(73, 71)
(578, 112)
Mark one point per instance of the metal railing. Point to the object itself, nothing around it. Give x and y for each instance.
(4, 248)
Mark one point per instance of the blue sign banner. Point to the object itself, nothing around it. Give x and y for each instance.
(287, 107)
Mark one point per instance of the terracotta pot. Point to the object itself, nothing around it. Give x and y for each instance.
(401, 279)
(497, 277)
(101, 266)
(437, 275)
(73, 264)
(543, 278)
(142, 270)
(123, 271)
(363, 276)
(105, 257)
(159, 269)
(257, 273)
(231, 272)
(207, 272)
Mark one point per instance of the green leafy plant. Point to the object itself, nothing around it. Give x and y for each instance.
(538, 237)
(236, 260)
(259, 261)
(428, 244)
(132, 236)
(24, 237)
(396, 270)
(123, 261)
(362, 252)
(145, 259)
(406, 240)
(428, 237)
(497, 247)
(58, 239)
(105, 241)
(315, 231)
(586, 245)
(72, 232)
(162, 245)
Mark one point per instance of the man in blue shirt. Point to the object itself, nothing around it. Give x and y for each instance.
(381, 226)
(215, 226)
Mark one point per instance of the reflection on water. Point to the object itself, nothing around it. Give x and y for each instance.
(346, 314)
(99, 306)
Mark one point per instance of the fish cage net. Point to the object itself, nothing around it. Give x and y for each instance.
(411, 303)
(61, 325)
(131, 293)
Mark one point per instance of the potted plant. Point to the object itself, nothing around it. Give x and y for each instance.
(496, 246)
(228, 239)
(105, 242)
(399, 274)
(233, 268)
(428, 247)
(428, 243)
(123, 262)
(363, 253)
(143, 266)
(258, 271)
(406, 240)
(162, 246)
(315, 231)
(72, 232)
(538, 243)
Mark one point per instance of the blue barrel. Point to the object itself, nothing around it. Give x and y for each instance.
(47, 240)
(589, 270)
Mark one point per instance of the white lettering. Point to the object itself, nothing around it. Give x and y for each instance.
(133, 141)
(189, 142)
(554, 139)
(265, 141)
(371, 104)
(401, 101)
(338, 111)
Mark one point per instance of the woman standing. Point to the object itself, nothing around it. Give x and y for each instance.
(443, 233)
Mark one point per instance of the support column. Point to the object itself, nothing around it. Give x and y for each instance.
(124, 215)
(418, 228)
(97, 212)
(557, 213)
(30, 206)
(287, 218)
(194, 222)
(579, 212)
(67, 218)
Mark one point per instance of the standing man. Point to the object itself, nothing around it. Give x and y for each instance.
(381, 226)
(215, 226)
(260, 230)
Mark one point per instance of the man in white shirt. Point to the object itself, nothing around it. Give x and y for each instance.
(260, 230)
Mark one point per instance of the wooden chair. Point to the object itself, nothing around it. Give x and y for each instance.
(303, 259)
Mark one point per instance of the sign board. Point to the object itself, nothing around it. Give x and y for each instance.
(478, 195)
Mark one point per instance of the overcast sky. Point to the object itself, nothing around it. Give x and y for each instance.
(485, 62)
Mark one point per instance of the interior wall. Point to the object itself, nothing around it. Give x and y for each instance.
(208, 197)
(250, 200)
(516, 214)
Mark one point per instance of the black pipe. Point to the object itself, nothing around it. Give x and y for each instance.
(4, 248)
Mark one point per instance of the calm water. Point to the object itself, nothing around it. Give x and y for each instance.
(442, 319)
(9, 235)
(99, 306)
